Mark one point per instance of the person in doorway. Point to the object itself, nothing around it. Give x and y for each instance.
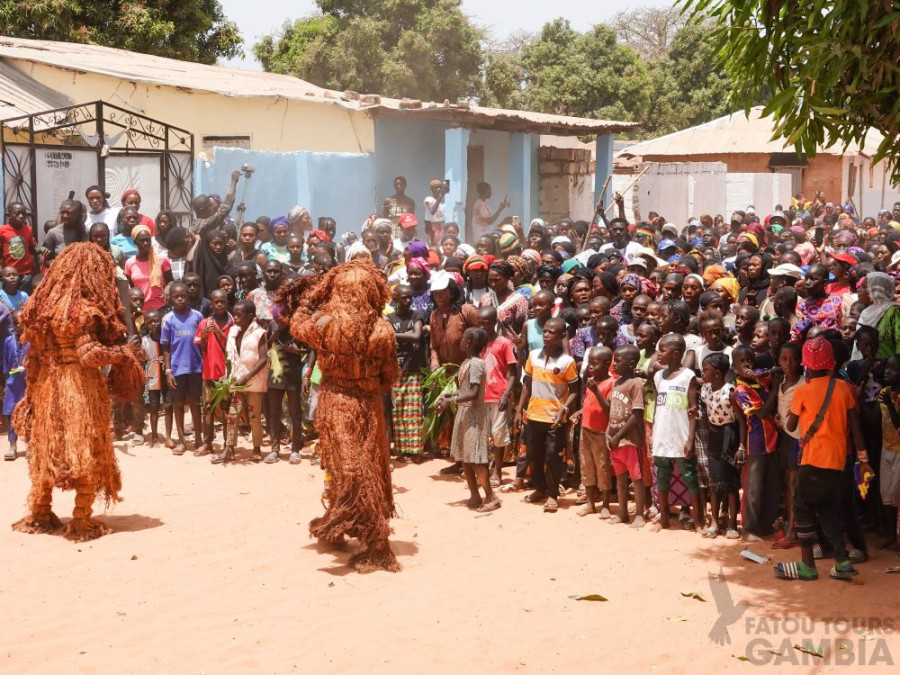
(434, 211)
(397, 204)
(482, 215)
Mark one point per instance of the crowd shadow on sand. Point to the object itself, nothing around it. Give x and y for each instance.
(872, 593)
(342, 553)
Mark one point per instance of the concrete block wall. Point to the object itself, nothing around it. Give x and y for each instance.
(566, 183)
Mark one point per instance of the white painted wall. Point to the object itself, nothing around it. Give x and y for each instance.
(873, 190)
(676, 190)
(762, 190)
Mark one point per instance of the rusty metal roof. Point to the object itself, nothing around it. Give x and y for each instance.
(232, 82)
(21, 95)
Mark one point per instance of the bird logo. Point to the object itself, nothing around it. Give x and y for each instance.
(729, 612)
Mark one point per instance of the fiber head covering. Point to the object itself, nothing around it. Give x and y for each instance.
(508, 243)
(818, 354)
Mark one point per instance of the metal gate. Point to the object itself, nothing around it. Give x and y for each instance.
(50, 154)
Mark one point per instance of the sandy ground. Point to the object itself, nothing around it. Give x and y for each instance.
(210, 569)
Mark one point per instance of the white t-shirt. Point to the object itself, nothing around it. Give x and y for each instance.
(671, 422)
(785, 396)
(438, 216)
(108, 216)
(701, 351)
(629, 253)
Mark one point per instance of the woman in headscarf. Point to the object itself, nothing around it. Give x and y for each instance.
(522, 279)
(512, 308)
(475, 270)
(883, 314)
(210, 261)
(418, 276)
(277, 249)
(754, 293)
(147, 271)
(132, 198)
(839, 265)
(691, 290)
(629, 289)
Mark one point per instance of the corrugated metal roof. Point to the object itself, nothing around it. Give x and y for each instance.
(136, 67)
(20, 95)
(737, 133)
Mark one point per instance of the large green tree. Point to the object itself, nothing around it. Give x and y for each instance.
(190, 30)
(425, 49)
(830, 66)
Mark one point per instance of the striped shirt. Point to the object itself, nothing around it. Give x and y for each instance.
(550, 380)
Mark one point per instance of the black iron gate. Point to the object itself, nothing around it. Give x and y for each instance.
(49, 154)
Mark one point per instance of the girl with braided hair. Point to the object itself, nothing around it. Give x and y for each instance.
(72, 323)
(338, 314)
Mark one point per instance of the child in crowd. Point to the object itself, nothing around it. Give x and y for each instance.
(594, 418)
(246, 279)
(183, 364)
(195, 300)
(724, 440)
(248, 353)
(285, 374)
(712, 330)
(10, 294)
(757, 408)
(784, 383)
(407, 411)
(762, 357)
(470, 427)
(156, 383)
(13, 364)
(673, 432)
(889, 402)
(550, 389)
(136, 296)
(639, 306)
(824, 410)
(501, 367)
(745, 319)
(264, 298)
(211, 338)
(625, 434)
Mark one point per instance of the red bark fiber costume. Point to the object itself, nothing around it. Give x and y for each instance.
(339, 316)
(72, 322)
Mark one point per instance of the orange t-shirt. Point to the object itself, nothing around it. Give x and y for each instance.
(827, 449)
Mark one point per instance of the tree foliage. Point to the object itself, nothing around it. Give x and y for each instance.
(189, 30)
(830, 66)
(424, 49)
(648, 31)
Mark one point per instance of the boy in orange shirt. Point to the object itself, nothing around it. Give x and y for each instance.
(824, 453)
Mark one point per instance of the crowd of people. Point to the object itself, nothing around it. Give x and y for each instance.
(741, 375)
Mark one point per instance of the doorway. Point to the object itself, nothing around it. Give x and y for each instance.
(474, 176)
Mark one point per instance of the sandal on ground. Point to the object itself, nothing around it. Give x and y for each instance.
(203, 450)
(271, 458)
(226, 456)
(710, 532)
(256, 456)
(535, 498)
(551, 505)
(10, 456)
(688, 525)
(843, 570)
(294, 458)
(511, 487)
(495, 482)
(179, 450)
(490, 506)
(796, 571)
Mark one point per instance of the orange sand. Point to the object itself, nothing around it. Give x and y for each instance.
(210, 569)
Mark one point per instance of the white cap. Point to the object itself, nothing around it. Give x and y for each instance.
(786, 270)
(440, 280)
(638, 261)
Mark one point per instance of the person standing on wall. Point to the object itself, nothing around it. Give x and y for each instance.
(397, 204)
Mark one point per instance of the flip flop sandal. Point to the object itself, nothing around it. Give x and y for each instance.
(551, 505)
(510, 487)
(294, 458)
(535, 498)
(487, 508)
(732, 534)
(10, 456)
(843, 571)
(495, 482)
(795, 571)
(710, 533)
(179, 450)
(272, 458)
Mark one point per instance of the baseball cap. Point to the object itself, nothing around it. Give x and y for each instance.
(440, 280)
(786, 270)
(664, 244)
(408, 220)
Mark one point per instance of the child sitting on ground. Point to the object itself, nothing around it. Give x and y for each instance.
(625, 436)
(594, 418)
(470, 427)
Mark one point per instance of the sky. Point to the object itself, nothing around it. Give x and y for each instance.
(256, 18)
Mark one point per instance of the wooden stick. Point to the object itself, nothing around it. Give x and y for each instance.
(630, 185)
(592, 223)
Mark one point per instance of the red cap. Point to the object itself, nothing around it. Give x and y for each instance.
(408, 220)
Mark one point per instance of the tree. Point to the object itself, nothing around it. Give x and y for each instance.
(425, 49)
(648, 31)
(829, 66)
(583, 74)
(190, 30)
